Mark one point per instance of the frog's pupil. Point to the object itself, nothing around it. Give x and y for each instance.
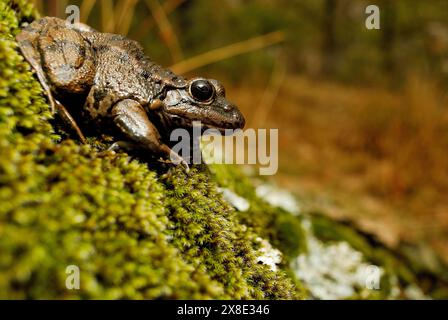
(201, 90)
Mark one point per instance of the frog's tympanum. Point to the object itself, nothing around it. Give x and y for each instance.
(119, 90)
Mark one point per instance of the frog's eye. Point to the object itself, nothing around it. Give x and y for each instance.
(202, 90)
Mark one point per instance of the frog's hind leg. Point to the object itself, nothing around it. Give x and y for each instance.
(69, 121)
(26, 45)
(27, 40)
(68, 60)
(56, 106)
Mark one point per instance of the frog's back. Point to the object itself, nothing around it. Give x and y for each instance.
(122, 65)
(32, 31)
(113, 67)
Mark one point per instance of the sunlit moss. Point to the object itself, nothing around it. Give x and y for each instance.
(282, 229)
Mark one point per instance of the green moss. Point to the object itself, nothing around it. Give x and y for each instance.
(282, 229)
(135, 229)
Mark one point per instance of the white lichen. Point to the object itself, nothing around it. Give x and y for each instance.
(278, 198)
(331, 271)
(415, 293)
(235, 200)
(268, 255)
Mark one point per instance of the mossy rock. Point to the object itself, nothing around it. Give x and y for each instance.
(135, 229)
(401, 270)
(139, 228)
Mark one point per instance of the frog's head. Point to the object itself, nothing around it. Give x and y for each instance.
(201, 100)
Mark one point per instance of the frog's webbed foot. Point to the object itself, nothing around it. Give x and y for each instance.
(174, 157)
(132, 120)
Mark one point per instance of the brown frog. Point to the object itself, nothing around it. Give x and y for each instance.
(118, 89)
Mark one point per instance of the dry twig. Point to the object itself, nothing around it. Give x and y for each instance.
(228, 52)
(166, 29)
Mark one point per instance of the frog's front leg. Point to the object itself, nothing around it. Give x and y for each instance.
(132, 120)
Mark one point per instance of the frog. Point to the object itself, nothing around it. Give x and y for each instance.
(117, 89)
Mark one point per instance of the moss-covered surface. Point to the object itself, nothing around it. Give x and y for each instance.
(134, 229)
(406, 266)
(142, 229)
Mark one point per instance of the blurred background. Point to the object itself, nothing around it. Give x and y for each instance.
(362, 114)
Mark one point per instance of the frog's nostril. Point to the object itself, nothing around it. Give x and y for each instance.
(228, 107)
(239, 120)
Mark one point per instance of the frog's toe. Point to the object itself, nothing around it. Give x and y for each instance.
(178, 160)
(186, 166)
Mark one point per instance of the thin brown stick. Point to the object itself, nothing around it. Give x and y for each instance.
(86, 9)
(53, 8)
(126, 17)
(119, 12)
(107, 16)
(38, 4)
(145, 27)
(228, 52)
(169, 6)
(62, 6)
(270, 93)
(166, 29)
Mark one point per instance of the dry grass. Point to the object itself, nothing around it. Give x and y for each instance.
(166, 29)
(369, 154)
(226, 52)
(116, 17)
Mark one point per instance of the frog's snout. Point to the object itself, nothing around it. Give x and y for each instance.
(238, 120)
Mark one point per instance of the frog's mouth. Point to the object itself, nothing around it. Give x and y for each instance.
(211, 120)
(179, 122)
